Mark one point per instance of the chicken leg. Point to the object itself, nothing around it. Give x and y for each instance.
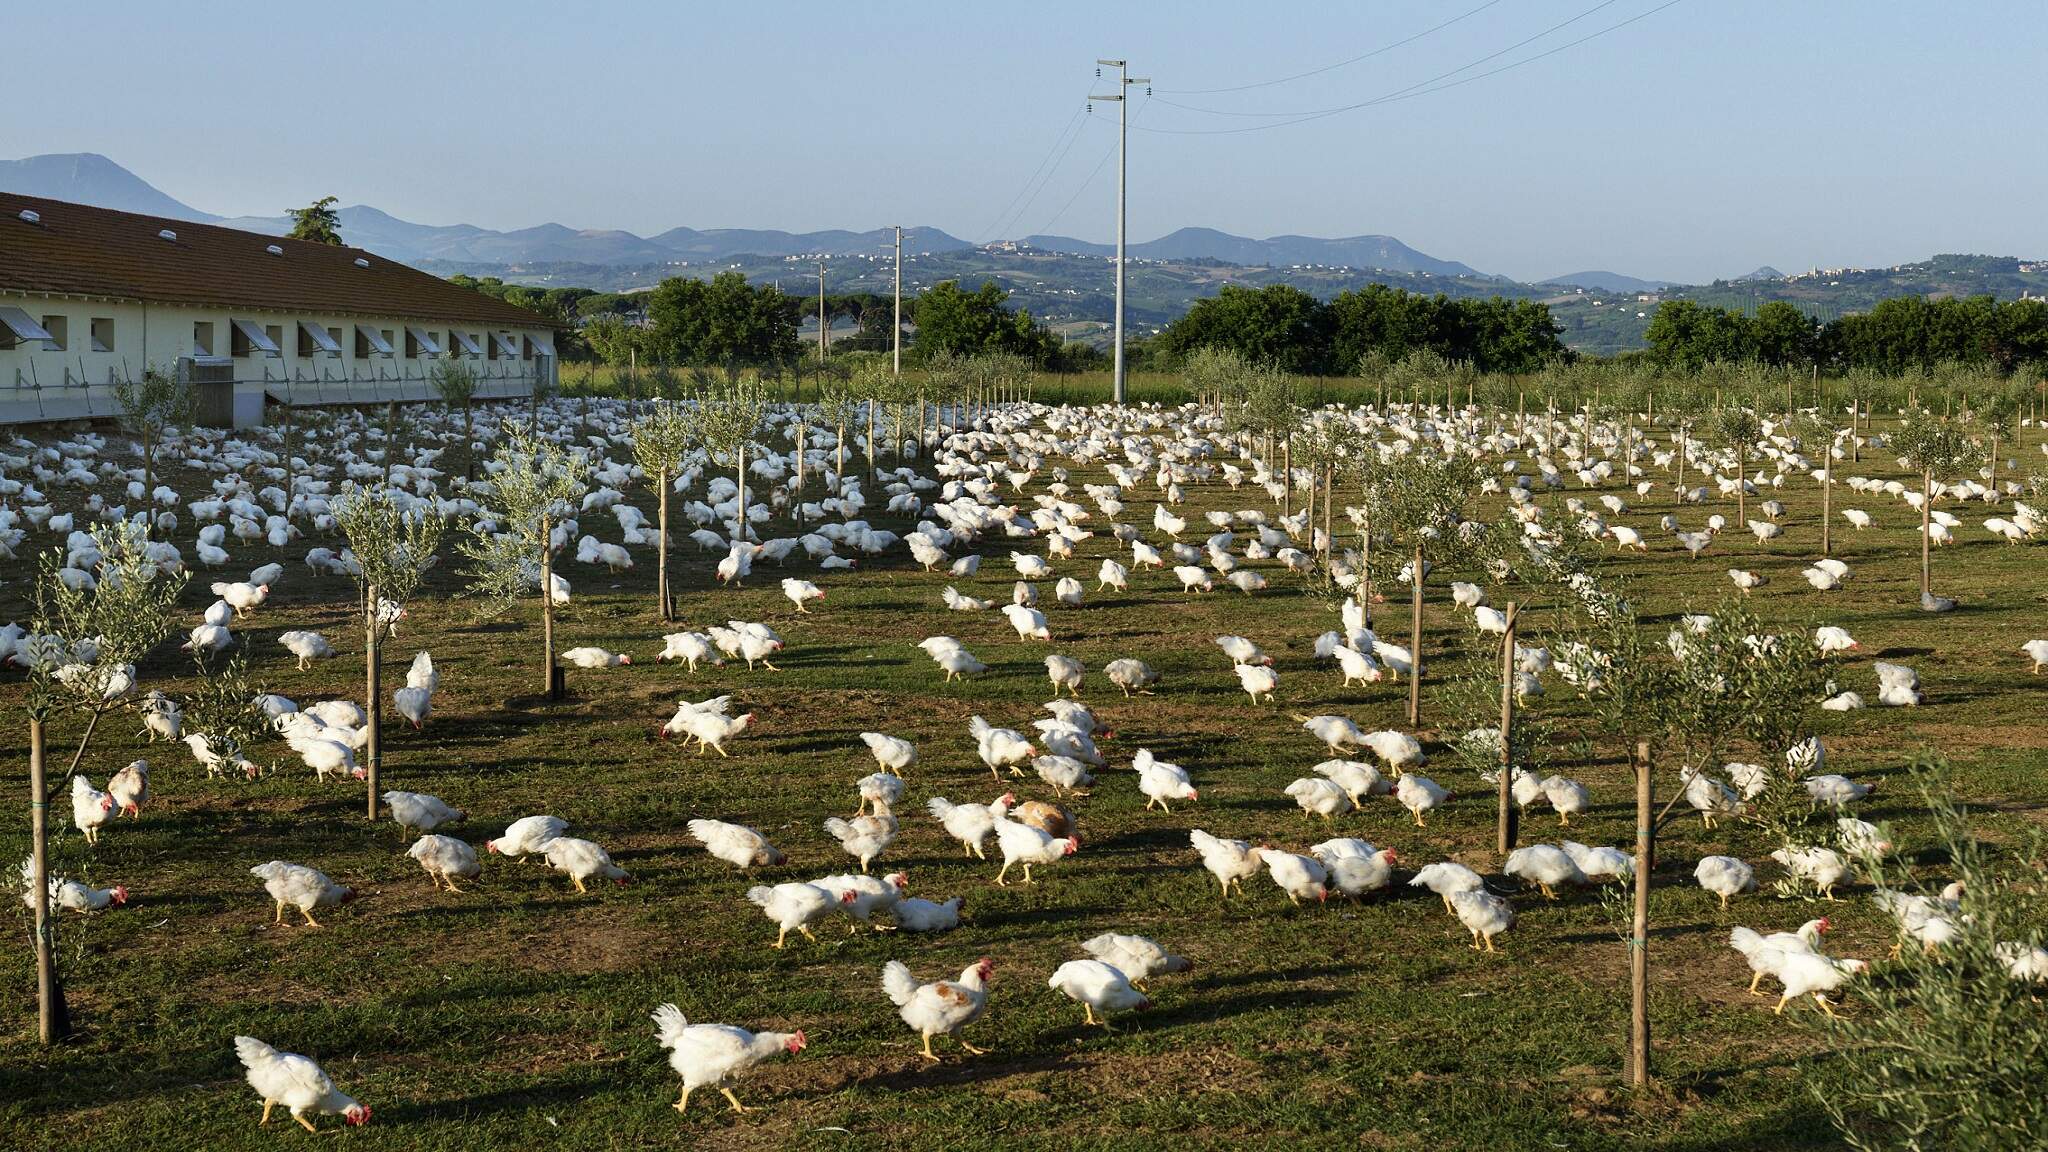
(928, 1053)
(578, 882)
(779, 938)
(279, 918)
(971, 1048)
(310, 922)
(684, 1104)
(1755, 979)
(267, 1106)
(305, 1123)
(736, 1105)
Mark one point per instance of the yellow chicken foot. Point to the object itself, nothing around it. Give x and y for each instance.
(684, 1104)
(1755, 979)
(928, 1053)
(779, 938)
(1824, 1006)
(279, 919)
(578, 882)
(971, 1048)
(305, 1123)
(735, 1101)
(310, 922)
(1780, 1009)
(267, 1106)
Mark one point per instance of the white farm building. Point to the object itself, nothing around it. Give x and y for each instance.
(89, 296)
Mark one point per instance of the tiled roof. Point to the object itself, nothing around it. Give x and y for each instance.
(75, 249)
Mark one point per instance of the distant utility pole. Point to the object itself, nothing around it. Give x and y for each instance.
(896, 335)
(821, 311)
(1123, 120)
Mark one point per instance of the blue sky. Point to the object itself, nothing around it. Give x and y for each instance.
(1698, 141)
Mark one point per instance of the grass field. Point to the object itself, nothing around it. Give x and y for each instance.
(514, 1015)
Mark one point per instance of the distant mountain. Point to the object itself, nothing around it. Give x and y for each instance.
(87, 178)
(1764, 273)
(1605, 282)
(90, 178)
(1363, 252)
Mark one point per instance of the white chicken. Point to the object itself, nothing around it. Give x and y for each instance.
(419, 811)
(1137, 957)
(307, 646)
(527, 836)
(1483, 914)
(296, 1082)
(736, 844)
(298, 886)
(893, 753)
(1725, 876)
(716, 1054)
(1229, 861)
(1021, 844)
(866, 837)
(582, 860)
(1301, 877)
(90, 808)
(1095, 985)
(795, 907)
(943, 1007)
(444, 858)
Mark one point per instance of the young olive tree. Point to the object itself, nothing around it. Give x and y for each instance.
(1739, 430)
(662, 439)
(150, 406)
(838, 408)
(1416, 496)
(1211, 373)
(535, 484)
(85, 639)
(1932, 448)
(727, 419)
(1945, 1048)
(394, 540)
(1716, 680)
(455, 381)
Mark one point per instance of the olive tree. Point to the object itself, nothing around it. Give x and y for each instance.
(1932, 448)
(1739, 429)
(1416, 495)
(394, 538)
(150, 406)
(86, 637)
(726, 418)
(1945, 1049)
(662, 439)
(535, 483)
(455, 382)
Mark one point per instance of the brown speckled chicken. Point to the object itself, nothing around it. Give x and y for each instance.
(1050, 819)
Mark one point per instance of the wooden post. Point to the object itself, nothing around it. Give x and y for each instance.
(551, 684)
(373, 747)
(1506, 825)
(1639, 932)
(1287, 475)
(1415, 649)
(661, 544)
(53, 1021)
(740, 475)
(1329, 505)
(1926, 541)
(1827, 489)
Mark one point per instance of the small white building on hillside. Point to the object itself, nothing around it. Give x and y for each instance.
(89, 296)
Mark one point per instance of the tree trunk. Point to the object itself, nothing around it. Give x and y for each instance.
(668, 610)
(871, 443)
(1507, 817)
(148, 476)
(1639, 931)
(1329, 504)
(1287, 475)
(372, 706)
(1827, 492)
(468, 439)
(1415, 648)
(53, 1019)
(803, 449)
(551, 684)
(1926, 540)
(1741, 479)
(839, 467)
(740, 473)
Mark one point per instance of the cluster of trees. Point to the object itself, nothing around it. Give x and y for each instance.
(952, 321)
(1298, 333)
(1900, 335)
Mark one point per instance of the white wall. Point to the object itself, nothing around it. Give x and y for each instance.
(41, 383)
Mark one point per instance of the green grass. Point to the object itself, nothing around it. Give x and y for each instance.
(515, 1015)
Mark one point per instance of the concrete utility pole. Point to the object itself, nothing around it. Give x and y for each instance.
(1123, 120)
(821, 311)
(896, 334)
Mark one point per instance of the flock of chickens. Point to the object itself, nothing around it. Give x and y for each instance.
(963, 514)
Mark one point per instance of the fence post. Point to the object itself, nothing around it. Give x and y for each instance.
(1507, 829)
(1639, 932)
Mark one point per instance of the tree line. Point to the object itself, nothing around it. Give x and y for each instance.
(1905, 334)
(1300, 334)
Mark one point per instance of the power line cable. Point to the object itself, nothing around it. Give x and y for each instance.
(1010, 220)
(1004, 214)
(1382, 50)
(1418, 84)
(1089, 180)
(1413, 90)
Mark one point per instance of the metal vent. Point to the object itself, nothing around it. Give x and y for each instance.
(31, 216)
(362, 263)
(273, 249)
(167, 234)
